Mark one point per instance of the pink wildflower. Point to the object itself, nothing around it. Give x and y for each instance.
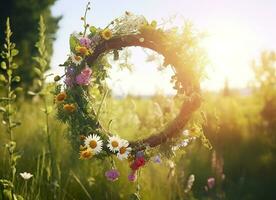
(112, 175)
(85, 41)
(84, 77)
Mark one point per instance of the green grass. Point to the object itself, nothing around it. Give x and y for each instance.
(239, 140)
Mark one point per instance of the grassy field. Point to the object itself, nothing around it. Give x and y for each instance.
(242, 160)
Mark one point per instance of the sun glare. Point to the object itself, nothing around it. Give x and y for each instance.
(145, 77)
(229, 48)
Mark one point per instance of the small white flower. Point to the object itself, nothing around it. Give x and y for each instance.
(186, 132)
(26, 175)
(94, 142)
(76, 59)
(124, 150)
(171, 164)
(114, 143)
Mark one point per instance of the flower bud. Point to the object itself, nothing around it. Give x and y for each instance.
(57, 78)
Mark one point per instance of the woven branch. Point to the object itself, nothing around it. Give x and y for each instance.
(188, 107)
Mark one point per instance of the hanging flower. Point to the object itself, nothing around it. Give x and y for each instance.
(26, 176)
(112, 175)
(61, 97)
(140, 154)
(124, 150)
(113, 143)
(94, 142)
(85, 41)
(132, 176)
(69, 107)
(76, 59)
(84, 77)
(138, 162)
(82, 50)
(157, 159)
(211, 182)
(106, 34)
(86, 154)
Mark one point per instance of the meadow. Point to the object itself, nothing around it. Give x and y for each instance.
(238, 124)
(242, 158)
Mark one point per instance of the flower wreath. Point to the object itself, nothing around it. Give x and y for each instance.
(86, 67)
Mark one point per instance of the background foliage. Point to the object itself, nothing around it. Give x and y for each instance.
(24, 18)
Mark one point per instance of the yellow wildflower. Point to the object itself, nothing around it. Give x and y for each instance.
(82, 50)
(61, 97)
(86, 154)
(69, 107)
(106, 34)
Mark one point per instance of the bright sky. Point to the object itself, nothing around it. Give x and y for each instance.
(238, 31)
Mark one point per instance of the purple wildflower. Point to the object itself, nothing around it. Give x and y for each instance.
(157, 159)
(70, 71)
(84, 77)
(132, 176)
(85, 41)
(69, 81)
(140, 154)
(112, 175)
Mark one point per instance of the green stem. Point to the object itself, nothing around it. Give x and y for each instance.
(9, 120)
(49, 136)
(84, 19)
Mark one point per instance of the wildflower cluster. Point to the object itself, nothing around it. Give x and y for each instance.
(85, 70)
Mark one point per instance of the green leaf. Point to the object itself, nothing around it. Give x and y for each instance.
(9, 72)
(2, 109)
(14, 66)
(16, 79)
(93, 30)
(3, 78)
(39, 83)
(15, 124)
(3, 65)
(37, 71)
(32, 93)
(154, 24)
(73, 42)
(134, 196)
(14, 52)
(18, 89)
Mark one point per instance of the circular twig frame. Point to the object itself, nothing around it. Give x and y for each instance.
(87, 51)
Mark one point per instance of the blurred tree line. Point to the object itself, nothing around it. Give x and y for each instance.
(24, 16)
(265, 86)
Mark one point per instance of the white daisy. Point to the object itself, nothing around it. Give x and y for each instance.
(94, 142)
(26, 175)
(114, 143)
(124, 150)
(76, 59)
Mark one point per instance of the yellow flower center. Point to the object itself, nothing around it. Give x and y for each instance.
(114, 144)
(93, 144)
(107, 34)
(77, 58)
(123, 150)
